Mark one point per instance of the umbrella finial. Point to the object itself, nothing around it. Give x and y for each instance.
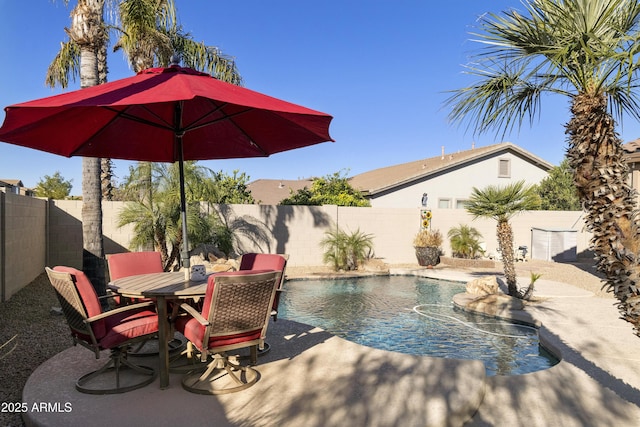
(175, 60)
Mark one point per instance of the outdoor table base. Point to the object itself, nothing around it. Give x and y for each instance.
(163, 287)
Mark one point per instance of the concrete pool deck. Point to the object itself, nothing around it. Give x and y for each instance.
(311, 378)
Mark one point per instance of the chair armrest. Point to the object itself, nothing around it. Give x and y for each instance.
(194, 313)
(119, 310)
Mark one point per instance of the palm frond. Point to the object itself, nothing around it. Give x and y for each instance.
(65, 65)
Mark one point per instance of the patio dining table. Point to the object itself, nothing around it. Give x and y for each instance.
(162, 287)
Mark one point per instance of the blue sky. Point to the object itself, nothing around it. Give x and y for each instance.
(380, 68)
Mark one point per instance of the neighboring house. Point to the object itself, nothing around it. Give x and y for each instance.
(632, 159)
(15, 186)
(272, 191)
(448, 179)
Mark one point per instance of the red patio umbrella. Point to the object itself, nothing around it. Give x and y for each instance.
(164, 115)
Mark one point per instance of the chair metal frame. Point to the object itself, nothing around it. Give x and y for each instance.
(82, 332)
(238, 311)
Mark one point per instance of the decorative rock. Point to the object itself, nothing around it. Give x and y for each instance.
(495, 305)
(196, 259)
(374, 265)
(221, 267)
(483, 286)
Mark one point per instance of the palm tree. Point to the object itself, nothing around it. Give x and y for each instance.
(465, 241)
(501, 204)
(346, 251)
(89, 35)
(150, 36)
(154, 207)
(587, 51)
(84, 53)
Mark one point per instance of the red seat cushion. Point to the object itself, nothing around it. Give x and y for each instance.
(127, 264)
(89, 298)
(128, 325)
(118, 328)
(133, 263)
(194, 331)
(255, 261)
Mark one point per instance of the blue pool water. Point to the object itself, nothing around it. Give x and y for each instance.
(415, 316)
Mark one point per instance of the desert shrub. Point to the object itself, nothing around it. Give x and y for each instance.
(426, 238)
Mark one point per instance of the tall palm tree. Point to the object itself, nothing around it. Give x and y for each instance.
(89, 34)
(150, 36)
(587, 51)
(501, 204)
(84, 53)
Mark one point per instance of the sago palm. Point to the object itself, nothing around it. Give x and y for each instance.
(501, 204)
(587, 51)
(465, 241)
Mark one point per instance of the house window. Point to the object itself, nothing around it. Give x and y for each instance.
(461, 203)
(504, 168)
(444, 203)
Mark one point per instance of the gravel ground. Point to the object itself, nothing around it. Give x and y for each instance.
(30, 333)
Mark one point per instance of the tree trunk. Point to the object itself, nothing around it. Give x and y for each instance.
(106, 179)
(505, 243)
(595, 154)
(93, 249)
(87, 30)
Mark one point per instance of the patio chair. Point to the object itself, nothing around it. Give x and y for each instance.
(114, 330)
(127, 264)
(130, 263)
(235, 315)
(277, 262)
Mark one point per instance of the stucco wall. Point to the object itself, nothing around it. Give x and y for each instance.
(298, 230)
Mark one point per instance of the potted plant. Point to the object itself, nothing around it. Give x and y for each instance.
(427, 245)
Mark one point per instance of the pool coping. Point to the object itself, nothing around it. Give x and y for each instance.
(316, 379)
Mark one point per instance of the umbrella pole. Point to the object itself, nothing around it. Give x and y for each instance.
(183, 214)
(184, 253)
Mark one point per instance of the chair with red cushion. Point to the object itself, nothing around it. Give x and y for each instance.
(235, 315)
(127, 264)
(132, 263)
(114, 330)
(277, 262)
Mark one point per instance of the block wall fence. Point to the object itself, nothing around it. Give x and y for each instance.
(35, 233)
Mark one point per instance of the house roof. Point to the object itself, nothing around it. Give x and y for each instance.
(632, 151)
(13, 182)
(387, 178)
(272, 191)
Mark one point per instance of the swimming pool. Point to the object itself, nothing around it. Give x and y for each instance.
(413, 315)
